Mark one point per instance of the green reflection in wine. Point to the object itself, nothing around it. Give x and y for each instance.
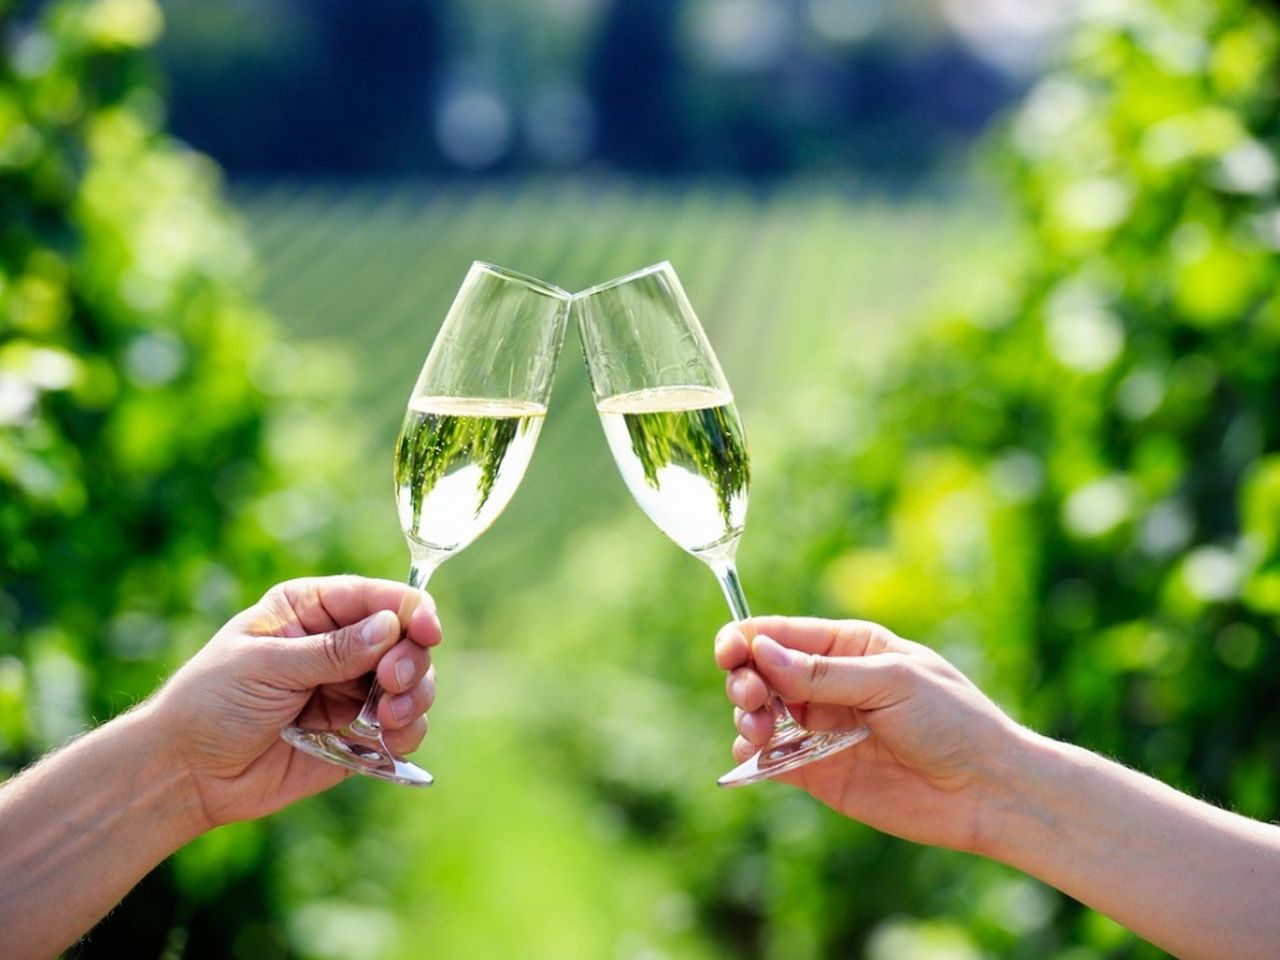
(708, 441)
(431, 445)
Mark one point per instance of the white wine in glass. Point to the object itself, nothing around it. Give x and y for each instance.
(683, 456)
(671, 424)
(458, 463)
(468, 435)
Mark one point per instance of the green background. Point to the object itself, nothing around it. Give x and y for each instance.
(1029, 420)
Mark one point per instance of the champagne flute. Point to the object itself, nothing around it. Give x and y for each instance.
(670, 421)
(470, 429)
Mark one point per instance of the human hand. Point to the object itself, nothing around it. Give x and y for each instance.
(938, 745)
(300, 655)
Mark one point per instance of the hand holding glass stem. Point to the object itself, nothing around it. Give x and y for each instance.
(469, 432)
(669, 417)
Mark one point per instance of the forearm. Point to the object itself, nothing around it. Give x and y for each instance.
(80, 828)
(1196, 880)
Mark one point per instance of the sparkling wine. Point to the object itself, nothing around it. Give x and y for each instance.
(458, 463)
(683, 455)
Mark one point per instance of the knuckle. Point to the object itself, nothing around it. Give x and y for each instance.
(337, 647)
(287, 590)
(899, 669)
(818, 670)
(276, 596)
(870, 636)
(422, 694)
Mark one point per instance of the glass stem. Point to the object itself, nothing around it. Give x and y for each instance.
(366, 722)
(727, 573)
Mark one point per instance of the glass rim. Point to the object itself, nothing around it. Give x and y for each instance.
(524, 279)
(663, 266)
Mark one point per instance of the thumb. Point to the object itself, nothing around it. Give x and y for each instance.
(865, 682)
(343, 653)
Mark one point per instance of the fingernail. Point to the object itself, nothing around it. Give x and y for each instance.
(770, 652)
(404, 672)
(378, 627)
(401, 705)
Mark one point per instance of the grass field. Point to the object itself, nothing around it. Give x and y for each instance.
(792, 286)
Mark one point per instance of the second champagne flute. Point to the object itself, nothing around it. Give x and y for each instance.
(473, 419)
(670, 420)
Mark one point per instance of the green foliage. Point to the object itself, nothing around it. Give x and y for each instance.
(1118, 397)
(1115, 403)
(433, 444)
(706, 441)
(159, 454)
(1069, 483)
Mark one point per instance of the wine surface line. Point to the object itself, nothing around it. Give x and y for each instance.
(459, 461)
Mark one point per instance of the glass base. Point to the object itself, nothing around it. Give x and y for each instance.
(791, 750)
(367, 755)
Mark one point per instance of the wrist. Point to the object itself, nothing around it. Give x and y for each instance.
(178, 800)
(1014, 788)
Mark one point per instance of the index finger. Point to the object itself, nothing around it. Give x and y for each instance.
(417, 616)
(320, 604)
(733, 647)
(422, 625)
(827, 638)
